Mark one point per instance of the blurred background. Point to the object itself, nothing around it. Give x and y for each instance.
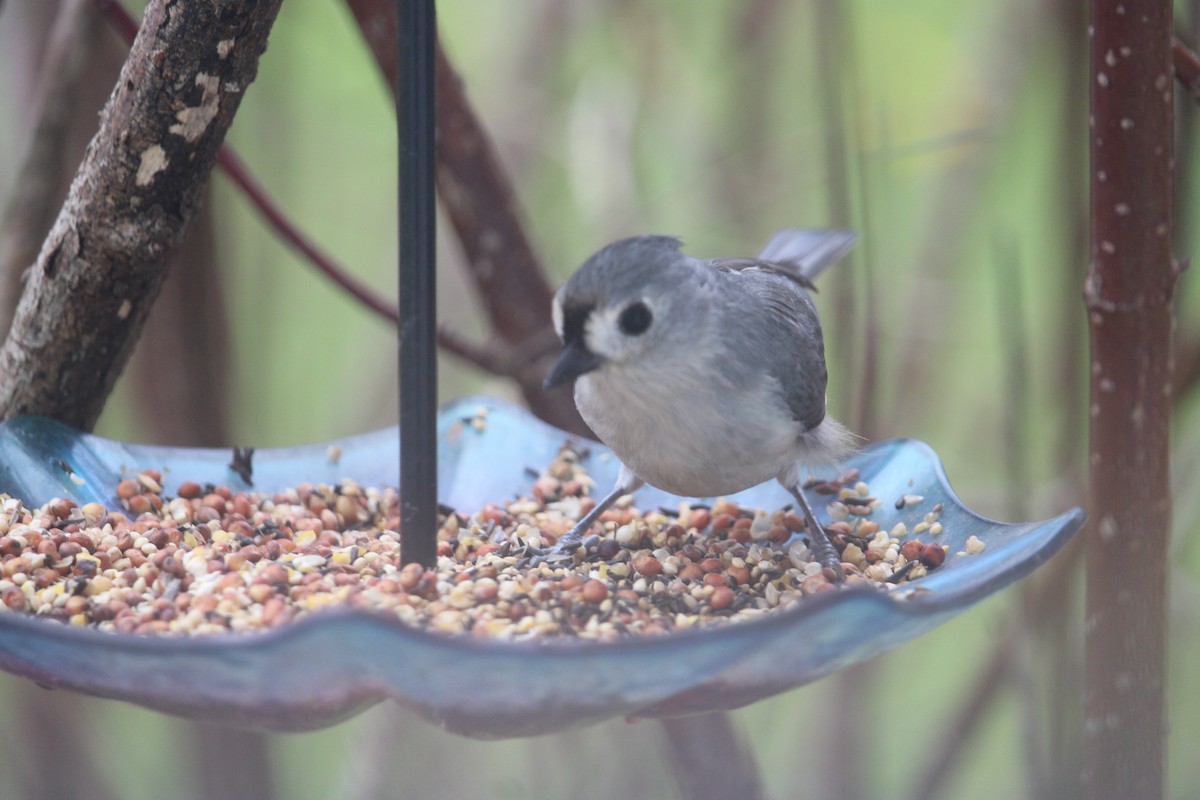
(951, 135)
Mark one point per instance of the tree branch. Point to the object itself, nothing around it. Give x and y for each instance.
(39, 184)
(482, 206)
(103, 264)
(1128, 293)
(236, 169)
(233, 166)
(1187, 67)
(690, 744)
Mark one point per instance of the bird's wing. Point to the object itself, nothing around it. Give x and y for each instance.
(778, 268)
(784, 336)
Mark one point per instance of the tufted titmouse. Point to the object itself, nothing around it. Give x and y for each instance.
(703, 377)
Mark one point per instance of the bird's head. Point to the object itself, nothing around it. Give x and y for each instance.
(625, 306)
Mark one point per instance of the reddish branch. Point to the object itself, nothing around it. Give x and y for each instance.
(1128, 293)
(87, 296)
(482, 206)
(233, 166)
(1187, 67)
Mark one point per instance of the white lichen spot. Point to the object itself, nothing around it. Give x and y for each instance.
(1126, 51)
(1108, 247)
(1107, 385)
(1121, 9)
(1101, 176)
(1108, 528)
(194, 120)
(1110, 58)
(154, 160)
(1161, 82)
(1094, 410)
(1126, 123)
(1138, 416)
(1122, 209)
(125, 308)
(1160, 229)
(231, 87)
(225, 47)
(1102, 79)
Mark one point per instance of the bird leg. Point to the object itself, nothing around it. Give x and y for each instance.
(822, 548)
(566, 544)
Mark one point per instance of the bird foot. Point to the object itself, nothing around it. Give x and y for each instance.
(825, 553)
(563, 550)
(823, 549)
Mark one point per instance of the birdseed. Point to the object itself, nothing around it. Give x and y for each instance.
(213, 560)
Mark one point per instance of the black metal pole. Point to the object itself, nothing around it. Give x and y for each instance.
(418, 310)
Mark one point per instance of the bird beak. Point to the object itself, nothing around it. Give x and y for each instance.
(575, 360)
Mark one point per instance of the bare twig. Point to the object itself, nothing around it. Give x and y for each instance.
(482, 207)
(481, 356)
(1015, 341)
(1187, 366)
(240, 175)
(103, 263)
(1187, 67)
(181, 366)
(1187, 72)
(44, 171)
(1128, 294)
(377, 24)
(979, 700)
(232, 764)
(233, 166)
(1056, 619)
(690, 744)
(57, 751)
(957, 195)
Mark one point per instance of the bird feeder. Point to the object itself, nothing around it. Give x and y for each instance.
(330, 665)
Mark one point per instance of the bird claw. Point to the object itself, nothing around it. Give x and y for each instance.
(826, 554)
(560, 552)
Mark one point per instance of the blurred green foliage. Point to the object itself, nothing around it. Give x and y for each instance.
(964, 161)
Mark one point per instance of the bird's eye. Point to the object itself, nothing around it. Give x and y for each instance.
(635, 319)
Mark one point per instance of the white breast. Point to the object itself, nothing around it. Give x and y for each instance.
(682, 436)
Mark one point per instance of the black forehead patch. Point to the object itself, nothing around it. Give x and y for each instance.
(575, 316)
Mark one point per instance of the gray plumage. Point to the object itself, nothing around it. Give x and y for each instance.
(704, 377)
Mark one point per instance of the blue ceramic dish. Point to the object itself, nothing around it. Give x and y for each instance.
(328, 666)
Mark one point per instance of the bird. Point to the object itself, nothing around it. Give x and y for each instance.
(704, 377)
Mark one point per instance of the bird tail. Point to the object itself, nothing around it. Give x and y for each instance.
(810, 251)
(827, 444)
